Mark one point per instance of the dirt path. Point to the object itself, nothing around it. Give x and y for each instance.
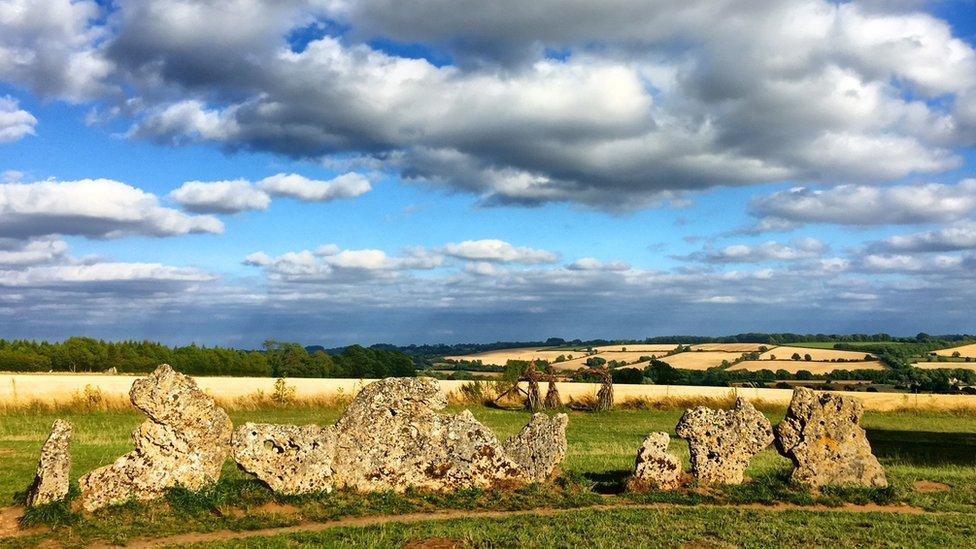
(379, 520)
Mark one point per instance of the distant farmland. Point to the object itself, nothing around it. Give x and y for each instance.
(794, 366)
(964, 351)
(784, 353)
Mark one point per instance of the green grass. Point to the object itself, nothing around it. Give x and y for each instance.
(693, 527)
(912, 446)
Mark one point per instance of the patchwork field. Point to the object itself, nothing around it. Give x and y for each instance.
(928, 457)
(784, 353)
(578, 360)
(794, 366)
(964, 351)
(699, 360)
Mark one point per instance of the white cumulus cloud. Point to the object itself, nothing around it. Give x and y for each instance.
(498, 251)
(96, 208)
(349, 185)
(220, 196)
(15, 123)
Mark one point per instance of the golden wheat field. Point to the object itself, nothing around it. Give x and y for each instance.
(729, 347)
(628, 358)
(945, 365)
(794, 366)
(699, 360)
(658, 348)
(964, 351)
(784, 353)
(578, 360)
(49, 391)
(500, 357)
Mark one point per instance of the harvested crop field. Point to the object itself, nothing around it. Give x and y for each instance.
(641, 348)
(53, 391)
(964, 351)
(699, 360)
(501, 357)
(794, 366)
(624, 358)
(945, 365)
(730, 347)
(784, 353)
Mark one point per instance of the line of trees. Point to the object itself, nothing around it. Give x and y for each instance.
(276, 359)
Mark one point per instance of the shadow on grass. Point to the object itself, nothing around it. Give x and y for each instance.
(608, 482)
(923, 447)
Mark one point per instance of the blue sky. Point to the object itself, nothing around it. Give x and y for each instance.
(404, 173)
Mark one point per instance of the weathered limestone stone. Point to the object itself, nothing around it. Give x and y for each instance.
(656, 467)
(392, 438)
(289, 459)
(54, 468)
(823, 439)
(540, 446)
(183, 443)
(723, 441)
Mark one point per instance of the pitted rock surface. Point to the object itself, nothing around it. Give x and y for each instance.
(183, 443)
(723, 441)
(656, 467)
(391, 438)
(289, 459)
(54, 468)
(821, 435)
(540, 446)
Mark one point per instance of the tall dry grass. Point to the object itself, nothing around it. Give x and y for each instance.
(93, 399)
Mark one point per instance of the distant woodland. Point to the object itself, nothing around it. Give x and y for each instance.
(275, 359)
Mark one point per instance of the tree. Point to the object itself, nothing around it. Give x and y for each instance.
(796, 356)
(807, 357)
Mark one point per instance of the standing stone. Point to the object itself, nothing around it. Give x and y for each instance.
(723, 441)
(821, 435)
(183, 443)
(656, 467)
(54, 468)
(539, 447)
(391, 438)
(289, 459)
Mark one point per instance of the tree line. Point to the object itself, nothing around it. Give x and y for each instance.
(275, 359)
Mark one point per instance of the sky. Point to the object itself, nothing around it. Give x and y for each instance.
(417, 171)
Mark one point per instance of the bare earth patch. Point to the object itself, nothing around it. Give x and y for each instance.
(310, 527)
(10, 523)
(930, 486)
(270, 508)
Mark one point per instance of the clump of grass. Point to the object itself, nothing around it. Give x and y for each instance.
(57, 514)
(285, 396)
(474, 393)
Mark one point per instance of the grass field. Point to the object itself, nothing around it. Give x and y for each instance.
(913, 447)
(785, 353)
(813, 367)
